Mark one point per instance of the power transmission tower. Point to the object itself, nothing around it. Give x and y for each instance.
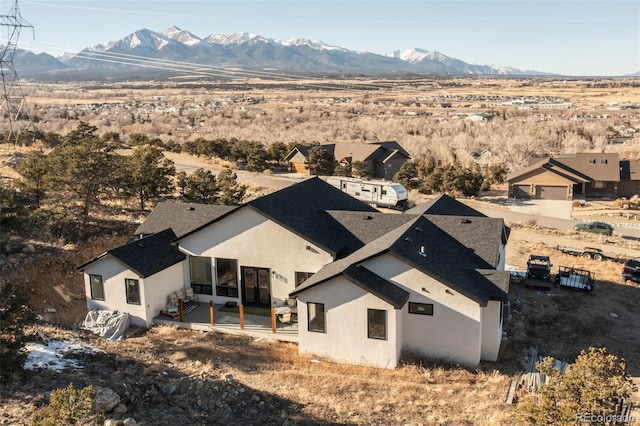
(15, 115)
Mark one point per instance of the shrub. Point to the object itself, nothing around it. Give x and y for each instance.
(69, 406)
(595, 384)
(15, 314)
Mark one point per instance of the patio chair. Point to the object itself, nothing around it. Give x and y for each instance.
(173, 299)
(180, 295)
(191, 295)
(293, 305)
(284, 319)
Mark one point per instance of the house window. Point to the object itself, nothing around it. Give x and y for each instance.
(97, 287)
(638, 184)
(227, 277)
(302, 277)
(133, 291)
(376, 324)
(315, 315)
(603, 161)
(384, 192)
(599, 184)
(421, 308)
(200, 270)
(592, 161)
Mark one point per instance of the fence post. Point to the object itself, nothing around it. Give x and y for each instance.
(212, 315)
(241, 317)
(181, 309)
(273, 319)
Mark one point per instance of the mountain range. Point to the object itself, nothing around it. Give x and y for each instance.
(147, 53)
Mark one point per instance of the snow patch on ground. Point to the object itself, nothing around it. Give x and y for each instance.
(52, 355)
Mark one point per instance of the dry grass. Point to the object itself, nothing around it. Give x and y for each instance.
(409, 112)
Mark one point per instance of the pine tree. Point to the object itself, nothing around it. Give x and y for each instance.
(15, 314)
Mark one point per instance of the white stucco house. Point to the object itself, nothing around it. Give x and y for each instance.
(369, 285)
(135, 278)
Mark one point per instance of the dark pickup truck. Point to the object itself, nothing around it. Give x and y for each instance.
(631, 271)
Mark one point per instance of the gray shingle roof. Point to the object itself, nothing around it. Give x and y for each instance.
(377, 285)
(146, 256)
(368, 226)
(444, 205)
(302, 209)
(181, 217)
(452, 249)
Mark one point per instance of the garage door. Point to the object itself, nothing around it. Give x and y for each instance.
(298, 168)
(521, 191)
(544, 192)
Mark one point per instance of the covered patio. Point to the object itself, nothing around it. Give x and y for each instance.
(229, 323)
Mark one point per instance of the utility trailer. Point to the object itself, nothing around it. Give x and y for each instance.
(570, 277)
(588, 253)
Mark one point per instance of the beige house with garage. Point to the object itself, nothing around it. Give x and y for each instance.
(567, 176)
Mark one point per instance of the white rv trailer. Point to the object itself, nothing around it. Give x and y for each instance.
(376, 193)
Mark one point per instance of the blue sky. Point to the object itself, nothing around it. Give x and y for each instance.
(574, 37)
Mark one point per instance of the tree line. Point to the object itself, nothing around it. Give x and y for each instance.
(61, 188)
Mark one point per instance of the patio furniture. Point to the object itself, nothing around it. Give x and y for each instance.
(284, 319)
(292, 304)
(191, 295)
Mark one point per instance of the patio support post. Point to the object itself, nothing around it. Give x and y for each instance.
(181, 309)
(212, 315)
(241, 309)
(273, 319)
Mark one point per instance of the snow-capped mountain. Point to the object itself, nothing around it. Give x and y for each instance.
(437, 62)
(146, 53)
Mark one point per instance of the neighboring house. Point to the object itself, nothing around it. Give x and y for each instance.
(567, 176)
(370, 285)
(383, 159)
(483, 158)
(629, 178)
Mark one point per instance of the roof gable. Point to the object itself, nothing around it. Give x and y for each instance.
(444, 205)
(302, 209)
(146, 256)
(426, 244)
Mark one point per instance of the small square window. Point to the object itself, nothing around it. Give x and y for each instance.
(599, 184)
(376, 324)
(604, 161)
(592, 161)
(421, 308)
(302, 277)
(315, 316)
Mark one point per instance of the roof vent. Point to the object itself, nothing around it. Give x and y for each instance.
(409, 240)
(465, 221)
(367, 218)
(140, 245)
(191, 208)
(417, 228)
(422, 252)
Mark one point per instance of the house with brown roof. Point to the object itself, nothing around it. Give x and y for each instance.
(383, 159)
(567, 176)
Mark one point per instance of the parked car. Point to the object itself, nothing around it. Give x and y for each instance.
(631, 271)
(595, 227)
